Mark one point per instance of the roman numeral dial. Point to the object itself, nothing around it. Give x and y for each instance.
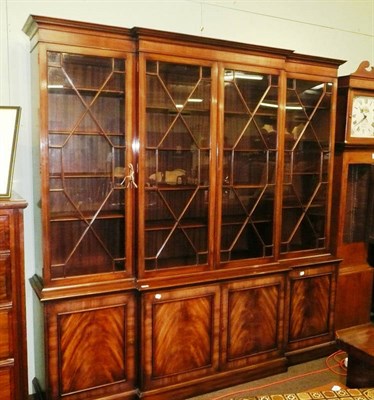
(362, 118)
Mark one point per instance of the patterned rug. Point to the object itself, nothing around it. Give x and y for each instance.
(342, 394)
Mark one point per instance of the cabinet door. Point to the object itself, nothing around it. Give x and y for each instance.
(181, 334)
(91, 347)
(175, 189)
(307, 166)
(312, 296)
(250, 143)
(354, 215)
(252, 321)
(89, 213)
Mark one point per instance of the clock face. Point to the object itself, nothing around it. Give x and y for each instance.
(362, 122)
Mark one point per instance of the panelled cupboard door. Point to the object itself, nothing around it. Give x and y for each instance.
(181, 335)
(312, 295)
(91, 347)
(252, 320)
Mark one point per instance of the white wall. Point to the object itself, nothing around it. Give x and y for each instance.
(342, 29)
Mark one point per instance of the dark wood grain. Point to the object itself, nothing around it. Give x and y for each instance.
(254, 320)
(311, 312)
(91, 345)
(181, 335)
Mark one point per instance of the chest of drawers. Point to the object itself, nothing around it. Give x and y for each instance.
(13, 352)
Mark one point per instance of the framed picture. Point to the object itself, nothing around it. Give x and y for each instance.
(9, 124)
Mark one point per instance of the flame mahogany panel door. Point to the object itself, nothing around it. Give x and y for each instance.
(252, 321)
(91, 346)
(181, 335)
(311, 312)
(13, 348)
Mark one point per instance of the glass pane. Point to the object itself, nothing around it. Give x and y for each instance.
(249, 156)
(177, 156)
(86, 98)
(358, 201)
(307, 158)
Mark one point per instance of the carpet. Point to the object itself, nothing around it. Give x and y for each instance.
(342, 394)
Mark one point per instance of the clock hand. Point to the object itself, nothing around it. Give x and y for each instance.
(362, 119)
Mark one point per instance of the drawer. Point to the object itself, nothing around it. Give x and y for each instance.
(5, 278)
(4, 232)
(6, 345)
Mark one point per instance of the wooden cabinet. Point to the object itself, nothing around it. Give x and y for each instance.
(13, 348)
(183, 182)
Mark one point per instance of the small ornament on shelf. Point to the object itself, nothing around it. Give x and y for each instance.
(129, 179)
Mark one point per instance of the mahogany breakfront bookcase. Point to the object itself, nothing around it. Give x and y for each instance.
(183, 201)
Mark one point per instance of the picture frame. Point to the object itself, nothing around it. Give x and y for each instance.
(9, 126)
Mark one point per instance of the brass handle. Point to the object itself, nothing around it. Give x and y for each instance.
(129, 178)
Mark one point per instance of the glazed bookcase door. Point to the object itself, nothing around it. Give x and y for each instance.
(87, 155)
(174, 165)
(250, 143)
(355, 226)
(359, 207)
(353, 232)
(307, 166)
